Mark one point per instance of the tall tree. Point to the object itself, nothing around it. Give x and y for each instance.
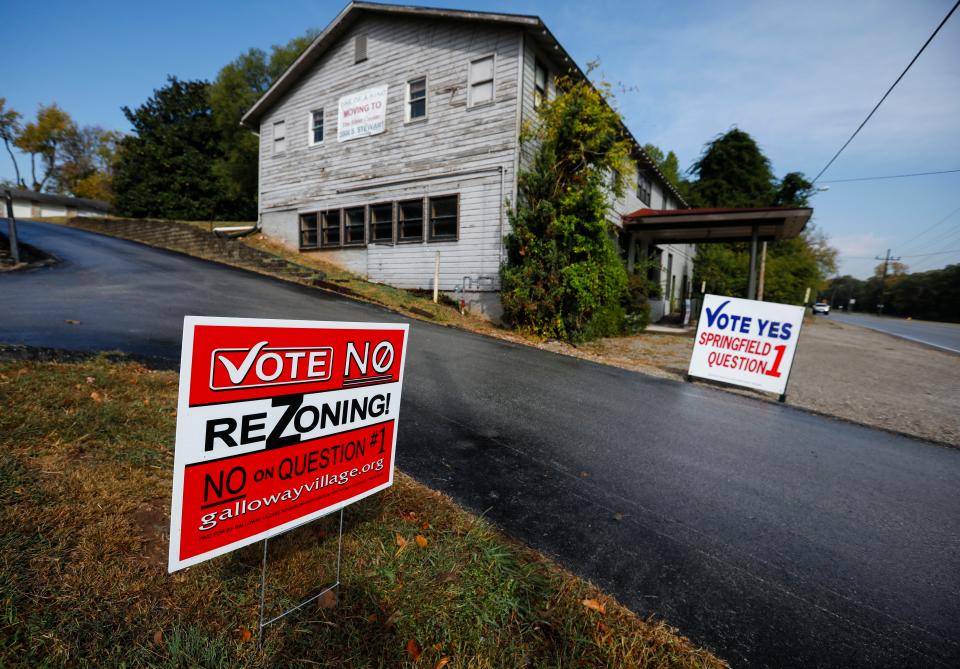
(667, 163)
(88, 159)
(733, 172)
(42, 139)
(165, 169)
(564, 277)
(9, 130)
(238, 85)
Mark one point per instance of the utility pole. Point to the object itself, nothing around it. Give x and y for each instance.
(763, 271)
(12, 229)
(883, 280)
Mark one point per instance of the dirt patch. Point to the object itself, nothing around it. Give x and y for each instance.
(151, 521)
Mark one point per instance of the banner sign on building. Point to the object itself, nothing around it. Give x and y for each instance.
(362, 113)
(746, 342)
(278, 423)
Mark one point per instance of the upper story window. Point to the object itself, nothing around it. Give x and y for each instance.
(643, 188)
(316, 127)
(481, 81)
(417, 99)
(540, 79)
(443, 217)
(279, 137)
(360, 48)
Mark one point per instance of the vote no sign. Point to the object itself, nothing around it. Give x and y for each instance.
(278, 423)
(746, 342)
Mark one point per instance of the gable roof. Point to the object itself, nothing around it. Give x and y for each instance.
(533, 26)
(53, 198)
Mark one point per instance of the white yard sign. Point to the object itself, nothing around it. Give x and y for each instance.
(746, 342)
(362, 113)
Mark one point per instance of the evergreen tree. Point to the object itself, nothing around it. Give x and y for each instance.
(564, 277)
(165, 169)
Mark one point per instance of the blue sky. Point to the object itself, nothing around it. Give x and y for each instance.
(798, 76)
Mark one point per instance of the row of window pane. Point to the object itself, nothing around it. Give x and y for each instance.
(382, 222)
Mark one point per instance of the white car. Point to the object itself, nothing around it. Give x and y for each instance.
(821, 308)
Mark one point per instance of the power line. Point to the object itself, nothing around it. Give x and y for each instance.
(891, 176)
(926, 230)
(889, 90)
(924, 255)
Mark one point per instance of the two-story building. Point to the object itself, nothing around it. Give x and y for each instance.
(394, 137)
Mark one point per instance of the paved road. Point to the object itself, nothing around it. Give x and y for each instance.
(941, 335)
(775, 537)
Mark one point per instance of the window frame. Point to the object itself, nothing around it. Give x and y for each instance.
(644, 185)
(423, 221)
(408, 100)
(361, 47)
(393, 222)
(429, 219)
(283, 138)
(472, 84)
(538, 65)
(343, 227)
(321, 220)
(316, 230)
(311, 127)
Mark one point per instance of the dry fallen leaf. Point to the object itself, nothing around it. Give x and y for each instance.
(90, 379)
(414, 650)
(442, 662)
(424, 525)
(245, 634)
(595, 605)
(97, 396)
(158, 637)
(327, 600)
(392, 620)
(401, 542)
(71, 321)
(372, 618)
(421, 541)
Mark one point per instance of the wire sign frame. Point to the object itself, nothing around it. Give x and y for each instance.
(263, 624)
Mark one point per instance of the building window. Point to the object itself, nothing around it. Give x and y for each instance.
(308, 231)
(381, 222)
(360, 48)
(330, 228)
(410, 221)
(316, 127)
(443, 218)
(417, 99)
(539, 84)
(279, 137)
(353, 224)
(643, 188)
(481, 81)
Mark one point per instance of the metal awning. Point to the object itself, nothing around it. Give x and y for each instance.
(701, 226)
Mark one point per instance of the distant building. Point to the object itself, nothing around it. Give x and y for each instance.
(30, 204)
(394, 136)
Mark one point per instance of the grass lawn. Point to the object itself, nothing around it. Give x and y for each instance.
(84, 496)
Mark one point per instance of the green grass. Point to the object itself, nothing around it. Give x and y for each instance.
(84, 495)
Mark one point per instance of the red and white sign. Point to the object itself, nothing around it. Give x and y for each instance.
(278, 423)
(746, 342)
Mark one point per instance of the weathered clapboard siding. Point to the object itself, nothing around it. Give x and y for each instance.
(467, 147)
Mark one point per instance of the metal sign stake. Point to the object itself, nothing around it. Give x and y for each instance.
(263, 585)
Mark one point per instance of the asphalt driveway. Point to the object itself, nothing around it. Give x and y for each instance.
(775, 537)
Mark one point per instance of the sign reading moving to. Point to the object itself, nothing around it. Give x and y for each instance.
(746, 342)
(362, 113)
(278, 423)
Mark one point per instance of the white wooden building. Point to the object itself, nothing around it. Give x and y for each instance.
(394, 137)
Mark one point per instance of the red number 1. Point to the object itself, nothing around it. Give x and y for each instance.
(775, 370)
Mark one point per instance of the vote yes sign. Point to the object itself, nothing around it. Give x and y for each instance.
(746, 342)
(278, 423)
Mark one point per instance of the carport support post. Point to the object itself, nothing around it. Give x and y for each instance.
(752, 282)
(12, 229)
